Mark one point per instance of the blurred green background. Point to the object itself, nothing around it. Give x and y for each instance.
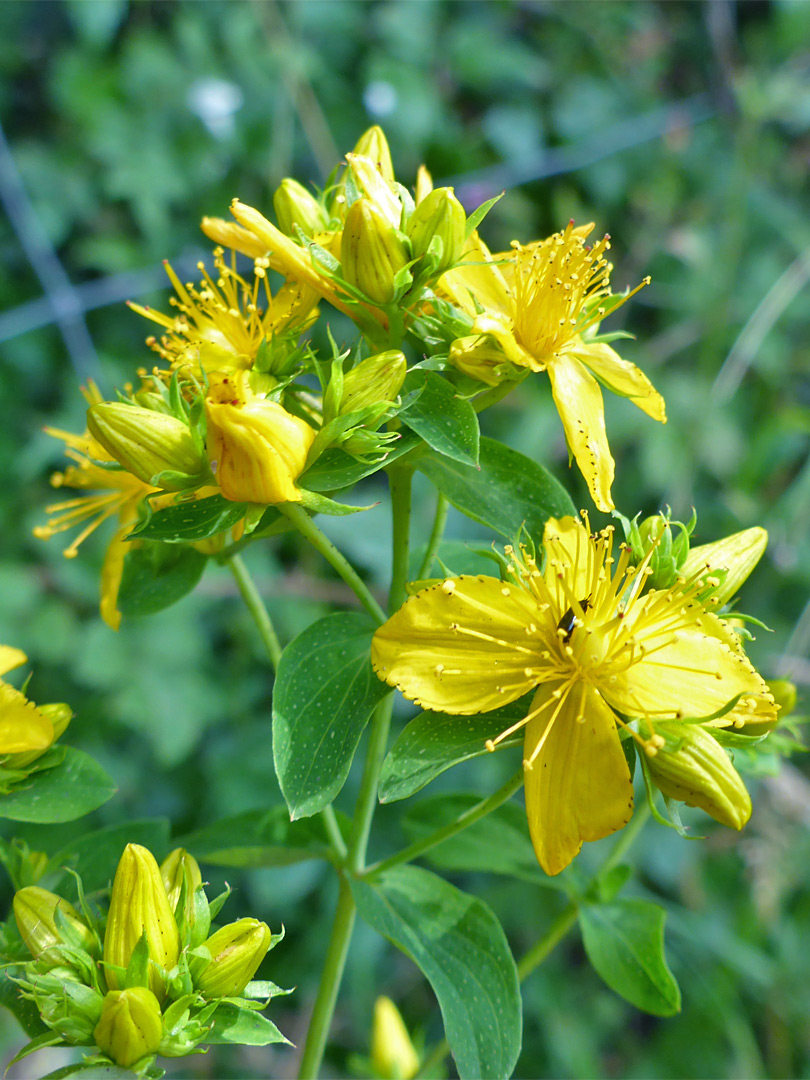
(683, 129)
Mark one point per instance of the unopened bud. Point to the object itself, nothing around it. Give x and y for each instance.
(236, 952)
(370, 185)
(131, 1025)
(24, 728)
(392, 1052)
(692, 767)
(666, 552)
(371, 252)
(60, 716)
(294, 205)
(424, 184)
(374, 145)
(439, 222)
(176, 868)
(478, 357)
(139, 904)
(377, 378)
(728, 562)
(145, 442)
(257, 449)
(35, 914)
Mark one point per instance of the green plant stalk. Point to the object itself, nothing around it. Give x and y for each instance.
(345, 913)
(555, 933)
(439, 522)
(464, 821)
(310, 531)
(255, 605)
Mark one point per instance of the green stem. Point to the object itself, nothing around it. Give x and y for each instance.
(330, 984)
(440, 520)
(468, 818)
(255, 605)
(310, 531)
(343, 924)
(333, 832)
(548, 942)
(399, 481)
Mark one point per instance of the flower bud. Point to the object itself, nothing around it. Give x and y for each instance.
(294, 205)
(392, 1052)
(479, 358)
(130, 1026)
(139, 903)
(236, 952)
(257, 449)
(35, 913)
(377, 378)
(726, 564)
(145, 442)
(693, 768)
(374, 145)
(370, 185)
(371, 252)
(668, 553)
(23, 727)
(177, 867)
(439, 216)
(424, 184)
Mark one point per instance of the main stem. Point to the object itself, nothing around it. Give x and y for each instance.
(343, 925)
(255, 605)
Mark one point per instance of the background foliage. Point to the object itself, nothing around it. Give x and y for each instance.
(683, 129)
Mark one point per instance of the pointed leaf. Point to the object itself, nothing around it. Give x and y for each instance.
(243, 1026)
(335, 469)
(448, 423)
(64, 793)
(624, 940)
(157, 576)
(189, 521)
(324, 694)
(460, 947)
(507, 491)
(260, 838)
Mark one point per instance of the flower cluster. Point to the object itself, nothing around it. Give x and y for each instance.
(151, 977)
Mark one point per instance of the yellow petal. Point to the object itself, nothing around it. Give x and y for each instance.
(692, 669)
(480, 277)
(737, 554)
(22, 725)
(578, 787)
(502, 330)
(463, 646)
(233, 236)
(579, 403)
(112, 571)
(568, 548)
(10, 658)
(622, 378)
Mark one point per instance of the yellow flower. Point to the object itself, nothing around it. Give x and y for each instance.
(120, 493)
(23, 727)
(538, 303)
(256, 448)
(221, 326)
(595, 649)
(392, 1051)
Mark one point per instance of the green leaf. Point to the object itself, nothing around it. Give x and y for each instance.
(447, 422)
(93, 1071)
(335, 469)
(94, 856)
(25, 1011)
(460, 947)
(507, 491)
(190, 521)
(324, 693)
(244, 1026)
(156, 576)
(434, 742)
(64, 793)
(624, 940)
(320, 504)
(497, 844)
(260, 838)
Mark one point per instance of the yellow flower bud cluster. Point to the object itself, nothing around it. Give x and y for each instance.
(157, 950)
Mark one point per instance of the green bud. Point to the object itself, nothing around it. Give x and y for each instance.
(236, 952)
(692, 767)
(377, 378)
(666, 557)
(130, 1026)
(439, 217)
(371, 252)
(374, 145)
(392, 1052)
(145, 442)
(177, 869)
(294, 205)
(35, 913)
(139, 903)
(784, 694)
